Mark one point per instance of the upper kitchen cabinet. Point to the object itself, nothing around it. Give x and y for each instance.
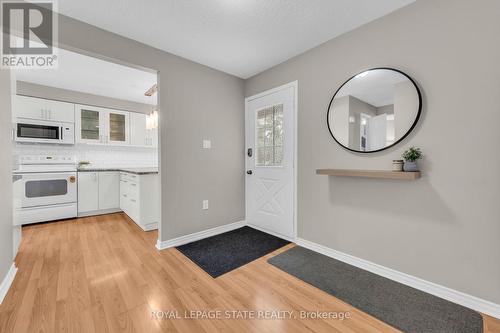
(138, 130)
(153, 137)
(42, 109)
(118, 126)
(102, 126)
(140, 135)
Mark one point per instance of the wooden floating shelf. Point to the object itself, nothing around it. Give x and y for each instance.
(381, 174)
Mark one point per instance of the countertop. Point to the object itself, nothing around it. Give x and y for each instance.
(137, 171)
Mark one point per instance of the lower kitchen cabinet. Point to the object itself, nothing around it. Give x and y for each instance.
(139, 199)
(88, 189)
(98, 193)
(109, 190)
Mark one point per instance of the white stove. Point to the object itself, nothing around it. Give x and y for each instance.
(45, 188)
(44, 163)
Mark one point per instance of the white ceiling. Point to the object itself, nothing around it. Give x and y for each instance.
(93, 76)
(375, 87)
(240, 37)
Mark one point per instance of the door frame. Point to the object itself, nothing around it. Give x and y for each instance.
(295, 86)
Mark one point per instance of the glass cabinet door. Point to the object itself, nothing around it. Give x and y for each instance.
(102, 126)
(90, 125)
(118, 127)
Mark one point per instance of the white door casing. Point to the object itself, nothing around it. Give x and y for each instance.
(270, 132)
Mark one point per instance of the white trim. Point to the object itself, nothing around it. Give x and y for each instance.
(198, 235)
(295, 86)
(100, 212)
(272, 91)
(451, 295)
(149, 226)
(291, 239)
(7, 282)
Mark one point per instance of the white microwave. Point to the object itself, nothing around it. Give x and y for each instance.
(41, 131)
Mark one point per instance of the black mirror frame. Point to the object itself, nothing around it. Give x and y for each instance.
(396, 142)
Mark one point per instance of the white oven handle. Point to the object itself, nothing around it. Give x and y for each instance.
(25, 177)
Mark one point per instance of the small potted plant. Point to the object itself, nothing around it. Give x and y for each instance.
(411, 156)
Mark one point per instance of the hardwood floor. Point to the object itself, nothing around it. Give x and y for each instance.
(103, 274)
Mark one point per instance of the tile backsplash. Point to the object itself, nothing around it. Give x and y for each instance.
(97, 155)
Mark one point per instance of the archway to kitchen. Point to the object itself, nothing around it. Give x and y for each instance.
(112, 136)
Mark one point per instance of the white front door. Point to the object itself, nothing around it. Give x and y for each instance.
(270, 158)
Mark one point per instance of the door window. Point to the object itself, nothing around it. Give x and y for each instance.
(46, 188)
(269, 134)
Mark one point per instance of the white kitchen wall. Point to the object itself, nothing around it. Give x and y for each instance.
(99, 156)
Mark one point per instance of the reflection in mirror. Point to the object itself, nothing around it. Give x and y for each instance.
(374, 110)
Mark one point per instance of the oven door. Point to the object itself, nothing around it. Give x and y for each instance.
(38, 131)
(44, 189)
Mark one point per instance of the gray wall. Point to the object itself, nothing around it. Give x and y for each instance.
(6, 229)
(445, 227)
(37, 90)
(196, 103)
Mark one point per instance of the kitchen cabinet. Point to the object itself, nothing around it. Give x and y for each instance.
(153, 137)
(102, 126)
(94, 125)
(88, 192)
(42, 109)
(140, 199)
(109, 190)
(138, 129)
(140, 135)
(98, 192)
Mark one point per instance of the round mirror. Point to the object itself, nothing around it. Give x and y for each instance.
(374, 110)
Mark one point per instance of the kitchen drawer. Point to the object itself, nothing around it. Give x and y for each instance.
(130, 189)
(123, 201)
(129, 177)
(132, 209)
(133, 190)
(139, 199)
(132, 177)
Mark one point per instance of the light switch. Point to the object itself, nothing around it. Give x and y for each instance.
(207, 144)
(205, 204)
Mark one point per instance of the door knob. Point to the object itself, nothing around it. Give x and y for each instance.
(249, 172)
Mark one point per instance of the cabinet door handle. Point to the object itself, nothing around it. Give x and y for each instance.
(133, 200)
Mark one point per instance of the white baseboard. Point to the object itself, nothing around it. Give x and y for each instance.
(149, 227)
(7, 281)
(198, 235)
(451, 295)
(290, 239)
(100, 212)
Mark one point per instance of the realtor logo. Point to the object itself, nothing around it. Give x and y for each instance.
(29, 34)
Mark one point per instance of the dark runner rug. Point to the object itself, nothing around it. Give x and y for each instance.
(396, 304)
